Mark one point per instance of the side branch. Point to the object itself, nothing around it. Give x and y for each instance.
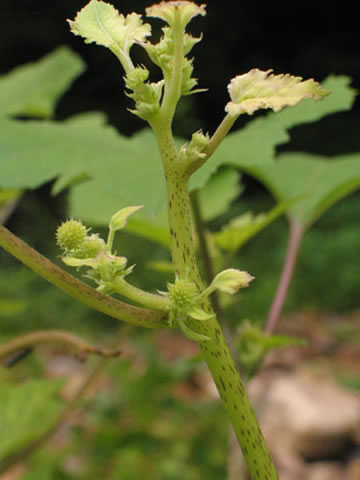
(215, 140)
(68, 339)
(77, 289)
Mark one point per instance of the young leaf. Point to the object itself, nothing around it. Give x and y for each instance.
(101, 23)
(120, 218)
(168, 12)
(33, 89)
(229, 281)
(259, 89)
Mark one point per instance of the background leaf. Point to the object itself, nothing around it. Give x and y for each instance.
(241, 229)
(36, 152)
(320, 182)
(341, 98)
(27, 411)
(33, 89)
(222, 188)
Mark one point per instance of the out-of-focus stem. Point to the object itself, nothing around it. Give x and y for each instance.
(296, 232)
(54, 336)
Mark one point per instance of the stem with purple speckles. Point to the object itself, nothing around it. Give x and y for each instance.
(215, 351)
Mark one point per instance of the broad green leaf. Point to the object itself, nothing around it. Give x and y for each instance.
(318, 181)
(34, 152)
(341, 98)
(33, 89)
(216, 196)
(27, 411)
(259, 89)
(241, 229)
(253, 144)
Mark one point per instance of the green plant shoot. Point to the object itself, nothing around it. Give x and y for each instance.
(185, 305)
(186, 300)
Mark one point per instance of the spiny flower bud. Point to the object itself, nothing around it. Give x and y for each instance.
(91, 247)
(71, 235)
(182, 293)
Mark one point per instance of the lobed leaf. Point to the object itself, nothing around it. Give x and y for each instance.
(262, 89)
(101, 23)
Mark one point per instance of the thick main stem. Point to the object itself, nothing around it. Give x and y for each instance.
(215, 351)
(295, 237)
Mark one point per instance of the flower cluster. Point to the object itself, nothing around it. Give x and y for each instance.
(185, 300)
(83, 250)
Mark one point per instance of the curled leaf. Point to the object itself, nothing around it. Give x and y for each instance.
(229, 281)
(172, 12)
(262, 89)
(120, 218)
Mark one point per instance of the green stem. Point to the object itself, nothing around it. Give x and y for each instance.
(172, 90)
(77, 289)
(149, 300)
(215, 351)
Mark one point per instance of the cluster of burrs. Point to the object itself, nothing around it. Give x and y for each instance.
(81, 249)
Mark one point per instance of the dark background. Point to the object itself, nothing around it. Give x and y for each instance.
(310, 39)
